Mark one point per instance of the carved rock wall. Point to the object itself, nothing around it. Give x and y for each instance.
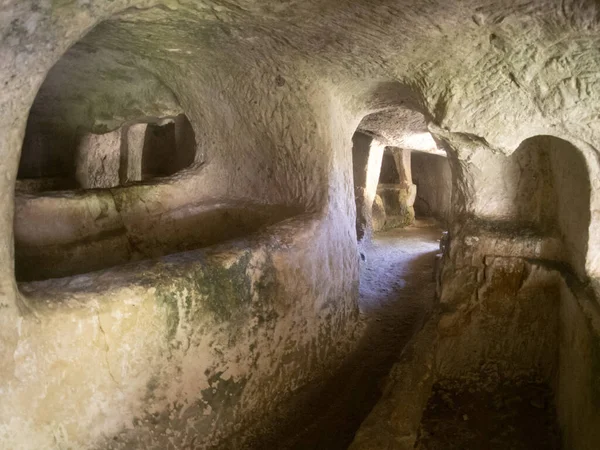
(274, 91)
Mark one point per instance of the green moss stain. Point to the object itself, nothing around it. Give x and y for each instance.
(225, 290)
(168, 300)
(151, 387)
(219, 294)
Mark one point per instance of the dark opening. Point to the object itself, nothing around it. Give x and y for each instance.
(168, 148)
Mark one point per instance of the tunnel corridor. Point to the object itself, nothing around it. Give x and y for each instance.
(221, 224)
(397, 290)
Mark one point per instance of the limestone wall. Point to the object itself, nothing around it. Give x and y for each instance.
(185, 349)
(193, 346)
(432, 176)
(508, 310)
(180, 351)
(572, 198)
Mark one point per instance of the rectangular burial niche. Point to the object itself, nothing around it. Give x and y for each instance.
(389, 172)
(98, 187)
(47, 158)
(66, 220)
(393, 205)
(55, 158)
(101, 224)
(78, 197)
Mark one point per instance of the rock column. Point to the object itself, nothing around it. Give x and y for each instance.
(367, 154)
(132, 147)
(398, 198)
(408, 191)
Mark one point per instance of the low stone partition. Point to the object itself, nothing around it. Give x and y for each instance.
(72, 232)
(394, 422)
(501, 317)
(184, 350)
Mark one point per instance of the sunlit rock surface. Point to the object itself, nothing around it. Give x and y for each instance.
(188, 310)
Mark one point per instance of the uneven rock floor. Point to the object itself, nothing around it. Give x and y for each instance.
(397, 290)
(511, 416)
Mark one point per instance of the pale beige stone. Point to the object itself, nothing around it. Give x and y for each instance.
(98, 159)
(239, 311)
(131, 152)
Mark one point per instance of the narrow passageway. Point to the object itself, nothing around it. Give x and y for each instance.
(185, 188)
(397, 290)
(397, 270)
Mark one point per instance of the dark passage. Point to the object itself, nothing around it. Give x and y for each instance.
(396, 293)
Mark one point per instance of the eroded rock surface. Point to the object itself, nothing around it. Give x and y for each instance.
(193, 348)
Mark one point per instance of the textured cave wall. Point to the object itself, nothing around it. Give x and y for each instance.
(433, 178)
(97, 89)
(572, 196)
(508, 312)
(274, 91)
(578, 395)
(187, 350)
(511, 191)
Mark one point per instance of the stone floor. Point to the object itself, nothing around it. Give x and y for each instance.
(515, 416)
(397, 290)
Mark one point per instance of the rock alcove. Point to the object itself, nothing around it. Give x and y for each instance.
(220, 224)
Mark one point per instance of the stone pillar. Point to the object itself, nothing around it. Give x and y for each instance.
(402, 158)
(97, 161)
(398, 198)
(408, 192)
(132, 147)
(367, 154)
